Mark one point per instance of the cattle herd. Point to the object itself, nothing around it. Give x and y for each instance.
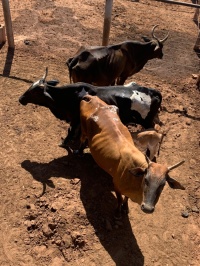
(99, 111)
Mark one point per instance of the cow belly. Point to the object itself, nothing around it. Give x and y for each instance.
(105, 155)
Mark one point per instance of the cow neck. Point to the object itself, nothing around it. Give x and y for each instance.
(56, 109)
(131, 158)
(53, 91)
(58, 94)
(128, 184)
(143, 55)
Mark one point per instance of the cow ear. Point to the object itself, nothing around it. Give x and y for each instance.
(53, 82)
(174, 184)
(145, 38)
(138, 171)
(46, 93)
(69, 61)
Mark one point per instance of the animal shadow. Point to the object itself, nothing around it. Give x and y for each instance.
(98, 200)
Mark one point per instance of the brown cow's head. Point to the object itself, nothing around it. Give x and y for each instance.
(154, 181)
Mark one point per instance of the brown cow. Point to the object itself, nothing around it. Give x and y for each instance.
(149, 142)
(112, 148)
(107, 65)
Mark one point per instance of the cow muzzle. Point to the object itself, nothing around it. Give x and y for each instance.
(147, 208)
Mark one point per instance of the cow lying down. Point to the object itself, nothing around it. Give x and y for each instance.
(112, 147)
(136, 104)
(149, 142)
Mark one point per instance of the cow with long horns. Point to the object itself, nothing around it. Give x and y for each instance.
(107, 65)
(113, 149)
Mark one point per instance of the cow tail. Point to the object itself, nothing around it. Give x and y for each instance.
(70, 76)
(71, 63)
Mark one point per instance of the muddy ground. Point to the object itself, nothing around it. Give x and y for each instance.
(57, 210)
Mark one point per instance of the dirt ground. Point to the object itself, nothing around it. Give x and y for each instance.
(57, 210)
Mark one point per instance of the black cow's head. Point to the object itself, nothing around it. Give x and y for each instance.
(154, 181)
(37, 93)
(156, 44)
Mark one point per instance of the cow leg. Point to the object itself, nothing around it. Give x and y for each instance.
(125, 205)
(121, 80)
(113, 83)
(122, 206)
(118, 211)
(81, 148)
(64, 142)
(74, 132)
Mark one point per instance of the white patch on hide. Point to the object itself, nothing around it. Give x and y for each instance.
(95, 118)
(130, 84)
(115, 119)
(113, 109)
(141, 103)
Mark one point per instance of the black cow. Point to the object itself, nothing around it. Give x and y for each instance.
(136, 104)
(107, 65)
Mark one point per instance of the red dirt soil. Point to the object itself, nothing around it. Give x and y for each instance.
(72, 222)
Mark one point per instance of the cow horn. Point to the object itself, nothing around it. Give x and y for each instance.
(45, 74)
(152, 32)
(153, 35)
(164, 39)
(175, 165)
(46, 93)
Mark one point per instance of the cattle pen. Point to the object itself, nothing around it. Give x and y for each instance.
(57, 208)
(108, 14)
(106, 26)
(196, 18)
(8, 24)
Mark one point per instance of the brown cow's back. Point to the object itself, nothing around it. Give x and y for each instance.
(111, 144)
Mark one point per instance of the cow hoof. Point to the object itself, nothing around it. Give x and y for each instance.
(62, 145)
(78, 152)
(125, 208)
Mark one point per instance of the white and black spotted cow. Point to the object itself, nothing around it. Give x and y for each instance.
(137, 104)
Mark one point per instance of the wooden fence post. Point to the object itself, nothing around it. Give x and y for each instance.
(107, 21)
(2, 34)
(8, 23)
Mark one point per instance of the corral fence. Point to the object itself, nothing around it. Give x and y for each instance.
(195, 4)
(107, 21)
(108, 12)
(8, 24)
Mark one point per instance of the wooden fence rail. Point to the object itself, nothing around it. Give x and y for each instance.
(179, 3)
